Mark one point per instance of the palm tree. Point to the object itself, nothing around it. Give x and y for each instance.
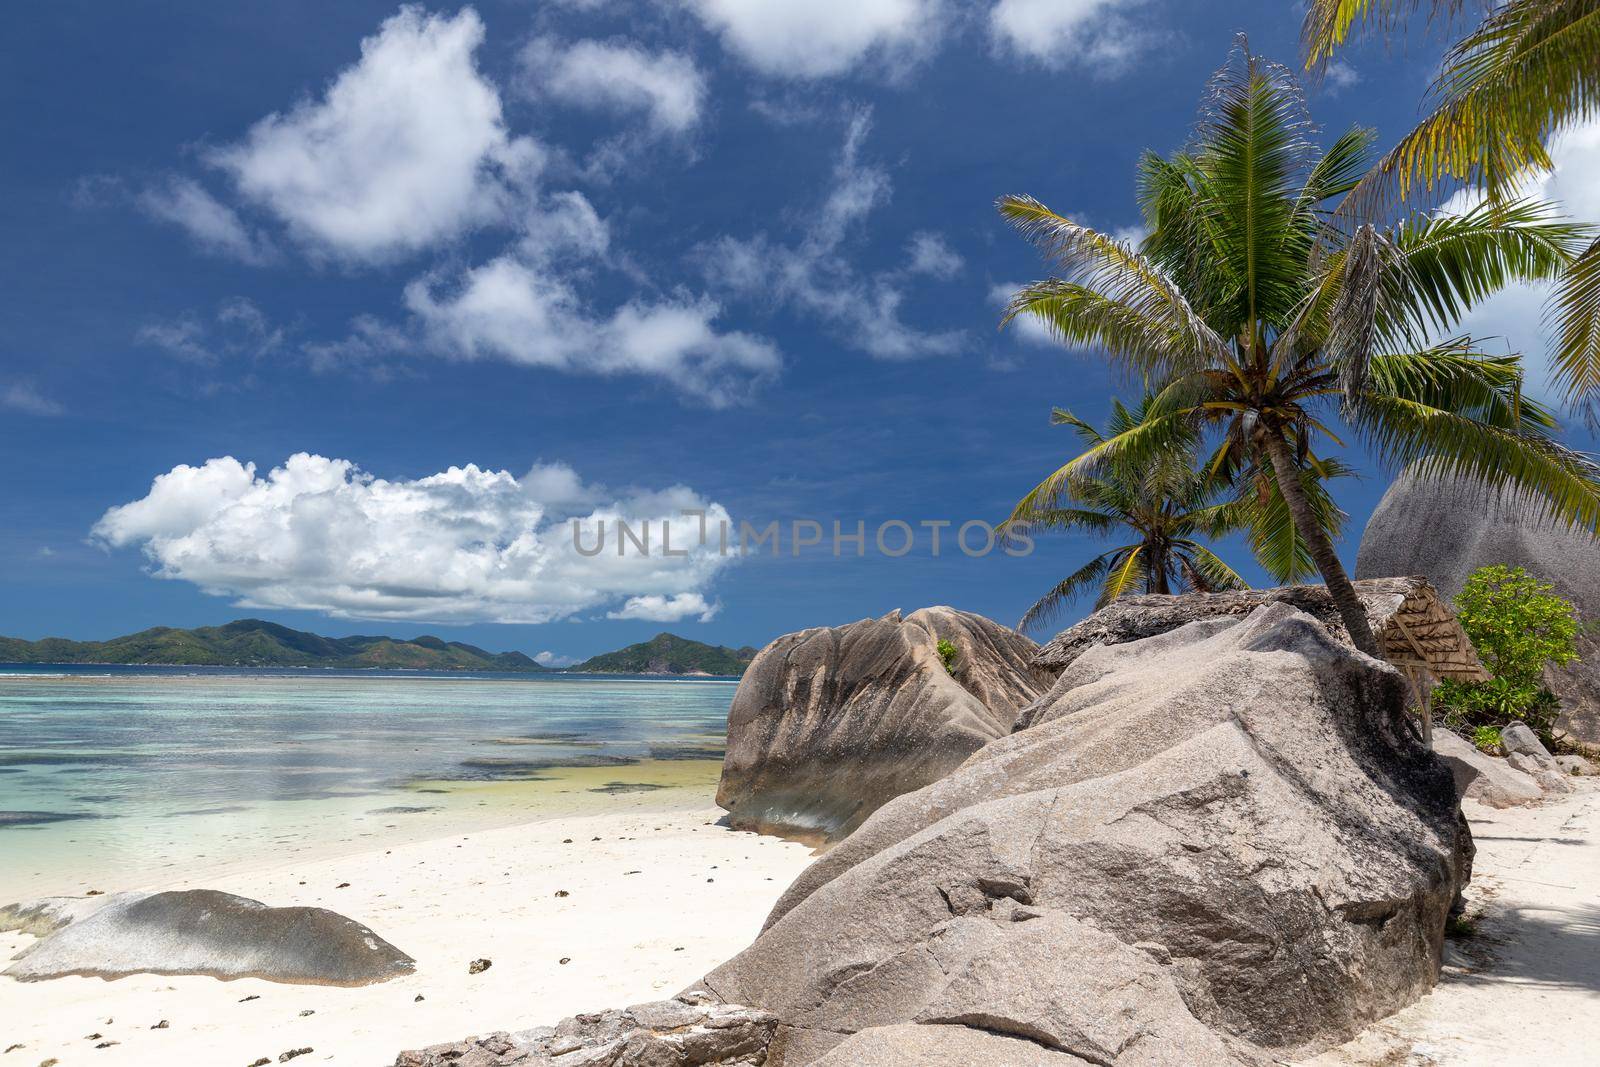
(1163, 507)
(1263, 319)
(1527, 71)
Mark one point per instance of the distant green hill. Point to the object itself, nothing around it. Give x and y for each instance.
(254, 643)
(670, 654)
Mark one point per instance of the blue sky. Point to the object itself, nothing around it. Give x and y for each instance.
(622, 257)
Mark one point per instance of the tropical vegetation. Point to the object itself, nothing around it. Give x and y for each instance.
(1272, 331)
(1519, 626)
(1527, 71)
(1160, 509)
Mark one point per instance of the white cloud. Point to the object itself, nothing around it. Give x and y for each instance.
(815, 277)
(1340, 76)
(617, 77)
(520, 312)
(213, 225)
(1514, 320)
(567, 224)
(405, 149)
(553, 659)
(237, 328)
(464, 545)
(1093, 34)
(26, 398)
(820, 38)
(655, 608)
(931, 254)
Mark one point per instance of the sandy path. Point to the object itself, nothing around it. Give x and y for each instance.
(1526, 988)
(656, 901)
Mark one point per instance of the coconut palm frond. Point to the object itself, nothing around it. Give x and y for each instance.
(1441, 442)
(1576, 308)
(1050, 606)
(1122, 278)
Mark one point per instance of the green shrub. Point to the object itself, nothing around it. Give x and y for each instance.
(1519, 626)
(1487, 739)
(947, 655)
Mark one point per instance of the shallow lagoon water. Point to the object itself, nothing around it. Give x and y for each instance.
(116, 777)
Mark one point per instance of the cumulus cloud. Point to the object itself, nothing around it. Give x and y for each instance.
(26, 398)
(1093, 34)
(618, 77)
(214, 226)
(553, 659)
(815, 277)
(405, 149)
(520, 312)
(655, 608)
(1514, 319)
(820, 38)
(463, 545)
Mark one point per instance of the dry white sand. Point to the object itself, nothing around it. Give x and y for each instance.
(655, 900)
(1525, 989)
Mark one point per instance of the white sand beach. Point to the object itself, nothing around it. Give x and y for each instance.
(655, 899)
(1525, 989)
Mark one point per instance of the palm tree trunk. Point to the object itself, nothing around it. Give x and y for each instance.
(1320, 546)
(1156, 569)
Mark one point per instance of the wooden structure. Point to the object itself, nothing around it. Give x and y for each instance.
(1416, 629)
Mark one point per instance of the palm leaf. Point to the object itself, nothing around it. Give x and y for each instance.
(1048, 607)
(1577, 356)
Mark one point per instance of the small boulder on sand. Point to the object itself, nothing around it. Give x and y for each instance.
(204, 931)
(1482, 777)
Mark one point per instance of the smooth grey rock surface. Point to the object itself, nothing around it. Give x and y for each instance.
(203, 931)
(49, 914)
(1446, 530)
(1238, 798)
(829, 723)
(910, 1045)
(1495, 782)
(1551, 779)
(1517, 737)
(682, 1032)
(1576, 766)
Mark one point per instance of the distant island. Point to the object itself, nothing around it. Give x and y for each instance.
(257, 643)
(670, 654)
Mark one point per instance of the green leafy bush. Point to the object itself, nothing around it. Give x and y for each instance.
(1518, 625)
(947, 655)
(1487, 739)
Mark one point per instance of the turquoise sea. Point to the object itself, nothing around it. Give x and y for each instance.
(124, 776)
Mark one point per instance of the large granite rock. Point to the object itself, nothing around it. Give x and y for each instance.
(1446, 530)
(684, 1032)
(1216, 845)
(830, 723)
(203, 931)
